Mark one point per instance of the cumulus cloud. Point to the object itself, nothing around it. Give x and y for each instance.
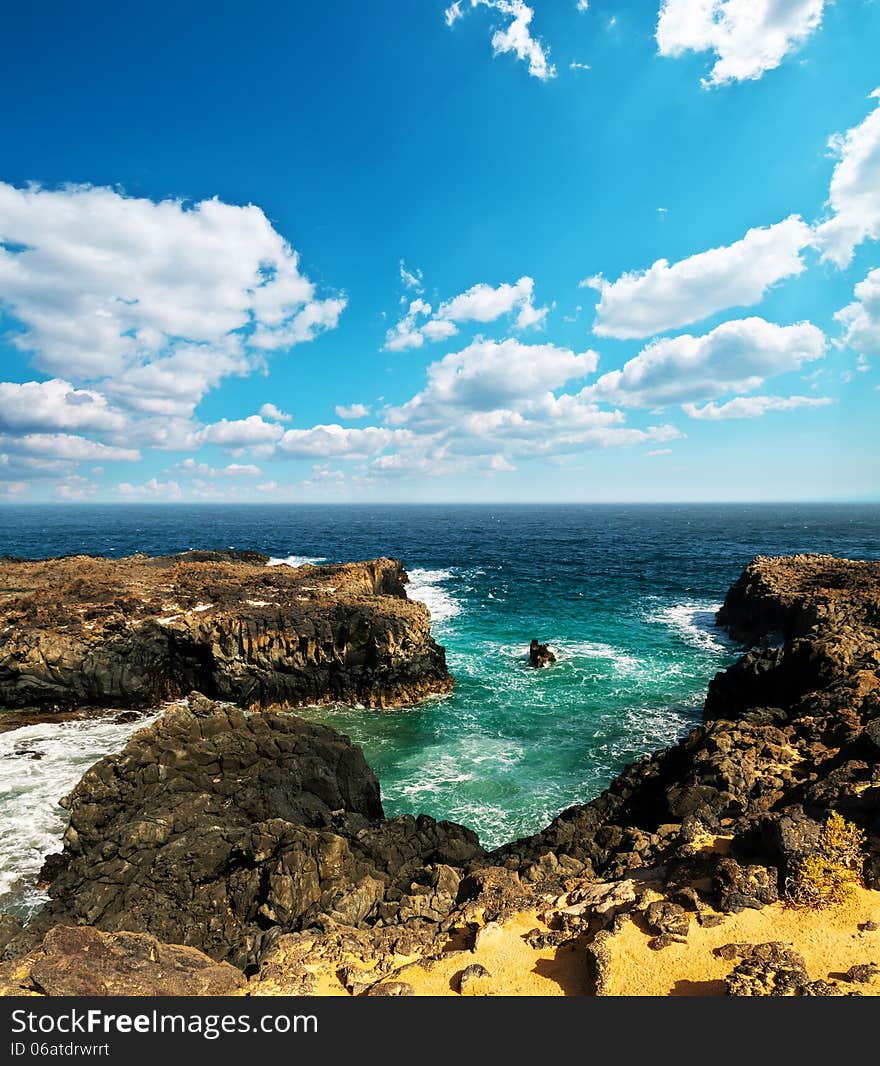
(354, 410)
(242, 432)
(489, 374)
(55, 405)
(736, 356)
(102, 282)
(748, 37)
(854, 193)
(273, 414)
(861, 318)
(752, 406)
(66, 446)
(514, 38)
(337, 441)
(169, 490)
(667, 296)
(480, 303)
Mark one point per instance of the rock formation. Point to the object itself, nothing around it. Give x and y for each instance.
(540, 654)
(261, 839)
(134, 632)
(220, 830)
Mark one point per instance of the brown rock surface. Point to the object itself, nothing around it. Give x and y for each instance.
(137, 631)
(79, 961)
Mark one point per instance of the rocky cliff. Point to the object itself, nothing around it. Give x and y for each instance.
(135, 632)
(261, 839)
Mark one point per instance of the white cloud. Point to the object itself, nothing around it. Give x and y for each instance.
(752, 406)
(736, 356)
(169, 490)
(483, 303)
(66, 446)
(657, 452)
(103, 282)
(574, 65)
(408, 333)
(11, 490)
(514, 38)
(354, 410)
(337, 441)
(54, 404)
(273, 414)
(861, 318)
(480, 303)
(412, 279)
(490, 374)
(76, 488)
(854, 193)
(641, 304)
(242, 432)
(748, 37)
(583, 5)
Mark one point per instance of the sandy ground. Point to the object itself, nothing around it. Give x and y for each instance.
(829, 940)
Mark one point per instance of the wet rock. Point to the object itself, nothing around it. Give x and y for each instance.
(540, 654)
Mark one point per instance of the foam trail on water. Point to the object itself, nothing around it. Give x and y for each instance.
(695, 623)
(296, 560)
(425, 585)
(38, 765)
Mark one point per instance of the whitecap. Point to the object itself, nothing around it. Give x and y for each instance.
(425, 585)
(694, 622)
(296, 560)
(38, 765)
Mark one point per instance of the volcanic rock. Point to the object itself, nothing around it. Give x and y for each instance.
(540, 654)
(134, 632)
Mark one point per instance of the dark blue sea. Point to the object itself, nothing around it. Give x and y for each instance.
(625, 595)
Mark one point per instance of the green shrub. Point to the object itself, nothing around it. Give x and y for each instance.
(830, 874)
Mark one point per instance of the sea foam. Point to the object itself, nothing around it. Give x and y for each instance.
(38, 765)
(426, 585)
(296, 560)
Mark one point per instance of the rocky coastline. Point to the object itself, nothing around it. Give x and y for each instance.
(259, 840)
(134, 632)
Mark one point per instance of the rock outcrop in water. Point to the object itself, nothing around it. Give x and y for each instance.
(540, 654)
(135, 632)
(261, 839)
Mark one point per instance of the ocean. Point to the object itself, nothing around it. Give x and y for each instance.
(625, 595)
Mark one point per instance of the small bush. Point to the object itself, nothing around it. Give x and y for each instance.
(830, 874)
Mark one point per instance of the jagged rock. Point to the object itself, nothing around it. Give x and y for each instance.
(738, 887)
(862, 974)
(540, 654)
(134, 632)
(392, 988)
(669, 919)
(772, 969)
(474, 980)
(80, 961)
(214, 828)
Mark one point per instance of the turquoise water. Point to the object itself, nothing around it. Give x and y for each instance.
(513, 745)
(625, 595)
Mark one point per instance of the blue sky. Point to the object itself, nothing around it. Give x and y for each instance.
(488, 251)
